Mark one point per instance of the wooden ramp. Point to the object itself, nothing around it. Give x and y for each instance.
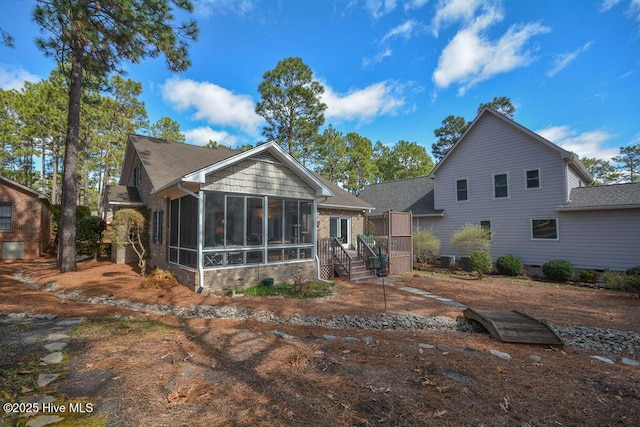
(513, 326)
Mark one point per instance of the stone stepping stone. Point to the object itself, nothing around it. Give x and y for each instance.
(46, 379)
(53, 358)
(501, 355)
(630, 362)
(69, 322)
(44, 420)
(282, 335)
(40, 399)
(603, 359)
(57, 337)
(350, 339)
(329, 337)
(426, 346)
(56, 346)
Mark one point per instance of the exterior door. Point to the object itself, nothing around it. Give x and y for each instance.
(340, 227)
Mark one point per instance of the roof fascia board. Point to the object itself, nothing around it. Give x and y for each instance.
(596, 208)
(199, 176)
(564, 154)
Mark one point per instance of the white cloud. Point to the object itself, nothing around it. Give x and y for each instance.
(452, 11)
(237, 7)
(472, 57)
(212, 103)
(414, 4)
(14, 78)
(379, 8)
(633, 10)
(379, 57)
(402, 30)
(563, 60)
(378, 99)
(204, 134)
(585, 144)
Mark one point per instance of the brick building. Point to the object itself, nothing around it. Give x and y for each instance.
(25, 221)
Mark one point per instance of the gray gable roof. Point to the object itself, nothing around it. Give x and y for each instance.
(616, 196)
(406, 195)
(123, 195)
(572, 159)
(166, 161)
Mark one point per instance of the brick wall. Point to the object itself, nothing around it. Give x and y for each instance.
(30, 221)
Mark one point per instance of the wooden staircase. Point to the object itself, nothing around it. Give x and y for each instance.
(359, 271)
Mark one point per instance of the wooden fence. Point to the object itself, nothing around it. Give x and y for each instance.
(393, 232)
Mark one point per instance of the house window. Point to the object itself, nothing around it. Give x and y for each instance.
(137, 175)
(544, 229)
(533, 179)
(5, 216)
(461, 190)
(500, 186)
(157, 222)
(486, 225)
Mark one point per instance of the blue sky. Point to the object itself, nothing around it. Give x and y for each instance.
(393, 70)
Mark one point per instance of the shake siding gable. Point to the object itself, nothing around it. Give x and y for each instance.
(493, 146)
(252, 176)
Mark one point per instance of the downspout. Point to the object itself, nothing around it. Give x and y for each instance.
(200, 209)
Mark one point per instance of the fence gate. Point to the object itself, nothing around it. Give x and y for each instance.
(394, 230)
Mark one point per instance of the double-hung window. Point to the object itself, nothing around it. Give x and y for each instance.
(5, 216)
(533, 179)
(462, 192)
(544, 229)
(501, 186)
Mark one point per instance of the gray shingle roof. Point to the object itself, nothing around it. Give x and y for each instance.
(123, 195)
(166, 161)
(616, 196)
(341, 197)
(406, 195)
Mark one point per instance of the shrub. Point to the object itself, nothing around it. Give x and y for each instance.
(425, 245)
(89, 232)
(558, 270)
(509, 265)
(471, 237)
(588, 276)
(161, 279)
(634, 271)
(620, 281)
(480, 261)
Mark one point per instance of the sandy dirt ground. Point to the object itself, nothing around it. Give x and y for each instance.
(150, 370)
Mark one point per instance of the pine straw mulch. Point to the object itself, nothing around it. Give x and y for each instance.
(152, 370)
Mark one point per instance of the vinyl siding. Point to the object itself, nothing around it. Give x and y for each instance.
(599, 239)
(494, 147)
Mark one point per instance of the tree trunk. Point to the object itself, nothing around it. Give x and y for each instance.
(67, 233)
(54, 177)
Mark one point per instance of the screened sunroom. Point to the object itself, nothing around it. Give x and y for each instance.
(241, 230)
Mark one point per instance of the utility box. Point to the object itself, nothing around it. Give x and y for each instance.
(447, 261)
(373, 262)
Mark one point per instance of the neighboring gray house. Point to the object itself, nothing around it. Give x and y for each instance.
(223, 219)
(529, 192)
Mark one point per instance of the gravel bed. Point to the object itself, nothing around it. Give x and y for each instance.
(586, 338)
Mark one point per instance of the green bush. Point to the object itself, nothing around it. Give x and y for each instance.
(509, 265)
(634, 271)
(425, 245)
(558, 270)
(620, 281)
(481, 262)
(588, 276)
(471, 237)
(89, 232)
